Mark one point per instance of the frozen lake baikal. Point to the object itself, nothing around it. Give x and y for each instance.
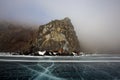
(90, 67)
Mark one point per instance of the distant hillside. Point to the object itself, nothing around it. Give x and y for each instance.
(16, 38)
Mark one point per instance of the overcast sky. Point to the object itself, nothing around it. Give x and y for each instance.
(97, 22)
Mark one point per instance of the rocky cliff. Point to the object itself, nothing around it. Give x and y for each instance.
(58, 36)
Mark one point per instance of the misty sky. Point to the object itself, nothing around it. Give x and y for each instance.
(97, 22)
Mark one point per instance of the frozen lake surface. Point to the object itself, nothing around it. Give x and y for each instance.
(90, 67)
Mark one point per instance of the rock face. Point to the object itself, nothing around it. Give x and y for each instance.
(58, 36)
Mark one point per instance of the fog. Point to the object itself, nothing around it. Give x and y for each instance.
(97, 22)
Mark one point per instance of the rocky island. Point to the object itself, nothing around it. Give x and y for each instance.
(57, 37)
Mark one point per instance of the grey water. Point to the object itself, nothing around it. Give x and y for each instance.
(90, 67)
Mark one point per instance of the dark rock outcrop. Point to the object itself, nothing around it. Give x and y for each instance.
(58, 36)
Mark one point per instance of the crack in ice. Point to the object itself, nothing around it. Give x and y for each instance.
(45, 74)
